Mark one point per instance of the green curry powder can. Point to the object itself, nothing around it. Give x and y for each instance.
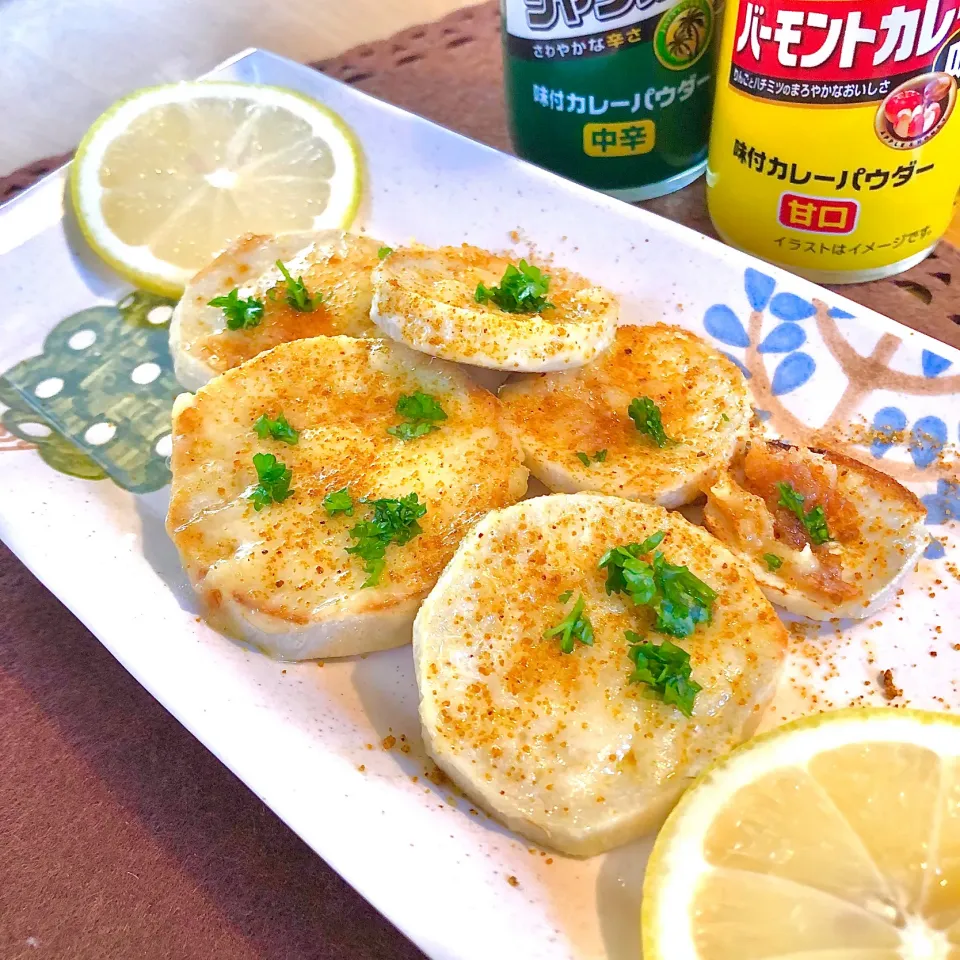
(615, 94)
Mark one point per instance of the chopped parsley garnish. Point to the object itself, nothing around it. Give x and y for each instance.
(393, 521)
(274, 477)
(724, 417)
(814, 521)
(339, 501)
(665, 669)
(297, 295)
(422, 411)
(278, 429)
(772, 561)
(646, 417)
(523, 289)
(384, 251)
(410, 431)
(574, 626)
(628, 574)
(679, 599)
(586, 459)
(240, 314)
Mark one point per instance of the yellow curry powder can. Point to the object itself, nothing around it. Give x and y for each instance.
(835, 146)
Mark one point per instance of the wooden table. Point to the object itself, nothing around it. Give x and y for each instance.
(953, 233)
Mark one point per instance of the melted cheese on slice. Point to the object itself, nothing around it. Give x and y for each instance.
(427, 299)
(562, 747)
(282, 577)
(335, 265)
(703, 401)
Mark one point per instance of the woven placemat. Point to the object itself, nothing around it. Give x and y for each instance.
(450, 71)
(122, 836)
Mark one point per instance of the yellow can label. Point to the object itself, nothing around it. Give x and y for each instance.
(619, 139)
(835, 145)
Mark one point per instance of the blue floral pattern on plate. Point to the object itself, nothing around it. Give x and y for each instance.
(782, 345)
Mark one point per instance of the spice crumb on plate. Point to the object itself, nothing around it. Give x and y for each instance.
(890, 690)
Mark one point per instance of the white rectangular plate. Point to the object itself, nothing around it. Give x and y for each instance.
(298, 735)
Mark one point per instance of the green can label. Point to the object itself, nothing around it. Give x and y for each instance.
(683, 34)
(612, 93)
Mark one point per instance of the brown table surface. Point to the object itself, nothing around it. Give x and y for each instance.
(121, 836)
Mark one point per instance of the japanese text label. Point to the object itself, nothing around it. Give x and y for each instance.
(850, 53)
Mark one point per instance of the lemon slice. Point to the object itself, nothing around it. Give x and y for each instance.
(833, 838)
(169, 176)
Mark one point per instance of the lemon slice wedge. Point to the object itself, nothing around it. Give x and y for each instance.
(833, 838)
(169, 176)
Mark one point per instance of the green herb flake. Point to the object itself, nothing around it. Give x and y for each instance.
(393, 521)
(240, 314)
(277, 429)
(679, 599)
(814, 521)
(665, 669)
(410, 431)
(274, 477)
(586, 459)
(724, 418)
(422, 412)
(773, 561)
(384, 251)
(340, 501)
(627, 573)
(646, 417)
(685, 599)
(419, 406)
(573, 627)
(296, 293)
(523, 289)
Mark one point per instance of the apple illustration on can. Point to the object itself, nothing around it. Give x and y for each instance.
(916, 111)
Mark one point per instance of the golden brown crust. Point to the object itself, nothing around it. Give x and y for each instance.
(426, 297)
(891, 487)
(563, 747)
(341, 275)
(289, 561)
(874, 523)
(702, 397)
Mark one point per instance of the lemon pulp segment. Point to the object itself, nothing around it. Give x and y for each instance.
(167, 178)
(837, 838)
